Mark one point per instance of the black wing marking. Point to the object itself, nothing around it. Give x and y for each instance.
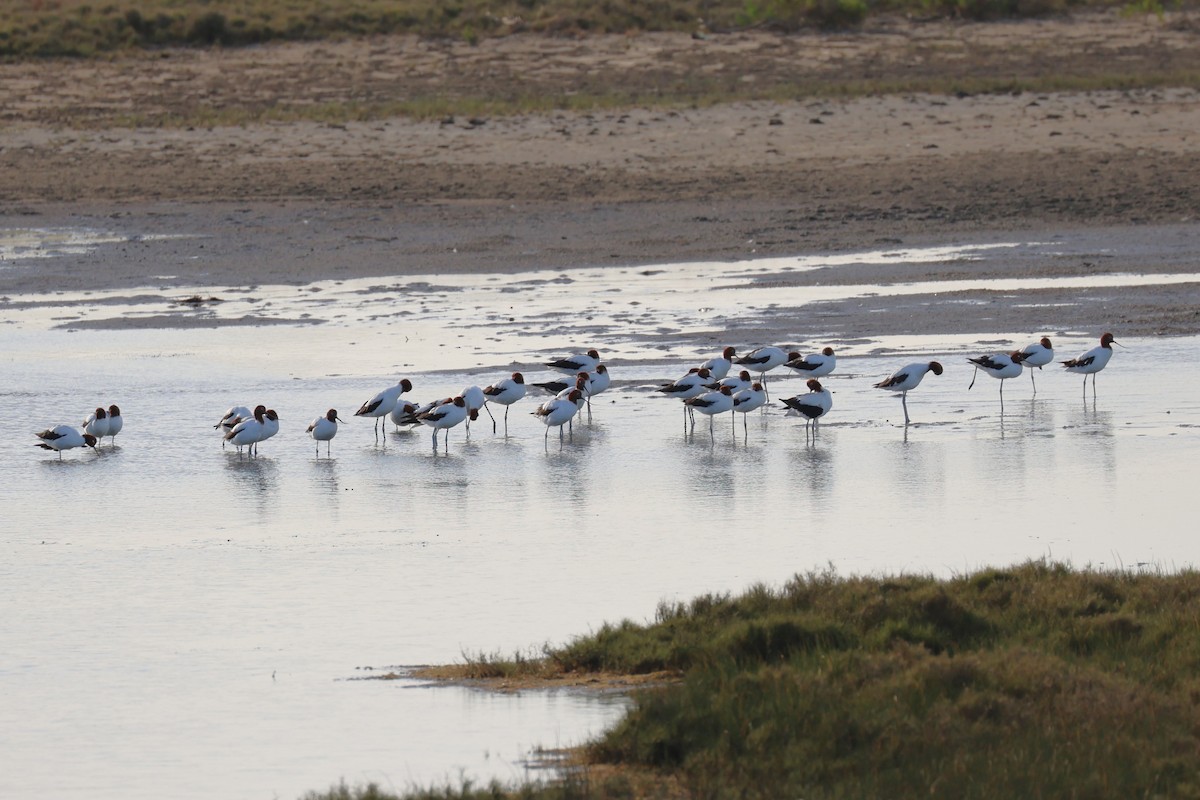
(898, 378)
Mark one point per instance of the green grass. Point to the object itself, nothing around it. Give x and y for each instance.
(1037, 681)
(84, 28)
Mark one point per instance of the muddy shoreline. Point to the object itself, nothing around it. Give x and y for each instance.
(296, 201)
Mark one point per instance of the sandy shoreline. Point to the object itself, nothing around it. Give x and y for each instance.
(301, 201)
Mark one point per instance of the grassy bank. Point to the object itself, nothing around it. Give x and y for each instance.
(84, 28)
(1037, 681)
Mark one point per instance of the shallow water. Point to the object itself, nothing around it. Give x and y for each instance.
(176, 615)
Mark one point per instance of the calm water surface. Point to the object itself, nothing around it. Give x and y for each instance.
(178, 618)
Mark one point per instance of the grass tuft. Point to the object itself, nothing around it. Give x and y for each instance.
(79, 28)
(1035, 681)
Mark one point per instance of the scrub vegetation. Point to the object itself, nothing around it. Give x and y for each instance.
(1036, 681)
(87, 28)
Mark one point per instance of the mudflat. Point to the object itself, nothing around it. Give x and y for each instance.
(253, 150)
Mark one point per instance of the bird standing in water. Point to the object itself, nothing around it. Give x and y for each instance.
(906, 379)
(1092, 361)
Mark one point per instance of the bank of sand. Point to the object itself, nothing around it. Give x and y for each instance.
(293, 202)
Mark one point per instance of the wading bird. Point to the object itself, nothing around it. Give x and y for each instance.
(906, 379)
(64, 437)
(382, 403)
(324, 428)
(506, 392)
(815, 365)
(711, 404)
(1038, 354)
(812, 406)
(1092, 361)
(998, 365)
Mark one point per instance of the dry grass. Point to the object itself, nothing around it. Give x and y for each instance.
(82, 28)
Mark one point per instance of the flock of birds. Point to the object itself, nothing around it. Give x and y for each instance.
(707, 388)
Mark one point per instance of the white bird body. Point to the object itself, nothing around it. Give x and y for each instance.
(580, 362)
(249, 432)
(475, 399)
(64, 437)
(689, 386)
(748, 399)
(383, 402)
(323, 429)
(97, 424)
(598, 381)
(719, 366)
(270, 426)
(232, 417)
(403, 411)
(590, 383)
(115, 422)
(735, 382)
(908, 378)
(815, 365)
(712, 403)
(506, 392)
(414, 412)
(812, 406)
(580, 384)
(998, 365)
(559, 411)
(765, 359)
(1092, 361)
(445, 416)
(1038, 354)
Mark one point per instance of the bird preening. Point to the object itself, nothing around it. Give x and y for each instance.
(706, 388)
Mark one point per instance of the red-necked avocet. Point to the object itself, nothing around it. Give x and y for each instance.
(231, 418)
(382, 403)
(115, 422)
(249, 432)
(690, 385)
(405, 411)
(747, 400)
(719, 366)
(999, 365)
(814, 365)
(445, 416)
(713, 403)
(559, 411)
(506, 392)
(813, 405)
(580, 362)
(765, 359)
(324, 428)
(64, 437)
(475, 399)
(735, 382)
(1038, 354)
(1092, 361)
(97, 424)
(908, 378)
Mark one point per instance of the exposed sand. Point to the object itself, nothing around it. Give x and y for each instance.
(293, 202)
